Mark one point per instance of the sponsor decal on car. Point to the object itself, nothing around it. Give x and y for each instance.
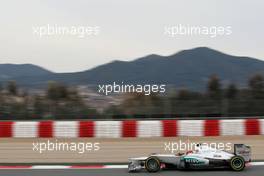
(193, 160)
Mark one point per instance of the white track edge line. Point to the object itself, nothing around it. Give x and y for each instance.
(256, 163)
(103, 166)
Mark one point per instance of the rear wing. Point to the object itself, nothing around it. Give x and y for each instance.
(243, 151)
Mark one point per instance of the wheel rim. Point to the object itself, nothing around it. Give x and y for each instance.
(152, 164)
(237, 163)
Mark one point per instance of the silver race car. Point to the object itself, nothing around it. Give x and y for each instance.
(203, 157)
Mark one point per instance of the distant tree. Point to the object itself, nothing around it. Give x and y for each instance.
(183, 94)
(51, 91)
(112, 111)
(132, 102)
(214, 88)
(256, 86)
(139, 103)
(56, 91)
(256, 95)
(12, 87)
(62, 91)
(1, 88)
(231, 91)
(39, 107)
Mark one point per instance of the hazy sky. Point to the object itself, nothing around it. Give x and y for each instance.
(128, 29)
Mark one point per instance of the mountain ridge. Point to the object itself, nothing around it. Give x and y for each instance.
(187, 68)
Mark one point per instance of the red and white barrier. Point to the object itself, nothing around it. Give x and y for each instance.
(131, 128)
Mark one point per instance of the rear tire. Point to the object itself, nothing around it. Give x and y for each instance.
(152, 164)
(237, 163)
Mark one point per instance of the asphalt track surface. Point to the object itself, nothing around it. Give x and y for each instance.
(249, 171)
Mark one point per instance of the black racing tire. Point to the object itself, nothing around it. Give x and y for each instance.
(182, 165)
(237, 163)
(152, 164)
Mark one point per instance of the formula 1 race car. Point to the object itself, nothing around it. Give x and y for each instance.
(203, 157)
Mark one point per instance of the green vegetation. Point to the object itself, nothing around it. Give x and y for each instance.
(59, 101)
(217, 101)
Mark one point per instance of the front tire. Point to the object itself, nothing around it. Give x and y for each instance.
(152, 164)
(237, 163)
